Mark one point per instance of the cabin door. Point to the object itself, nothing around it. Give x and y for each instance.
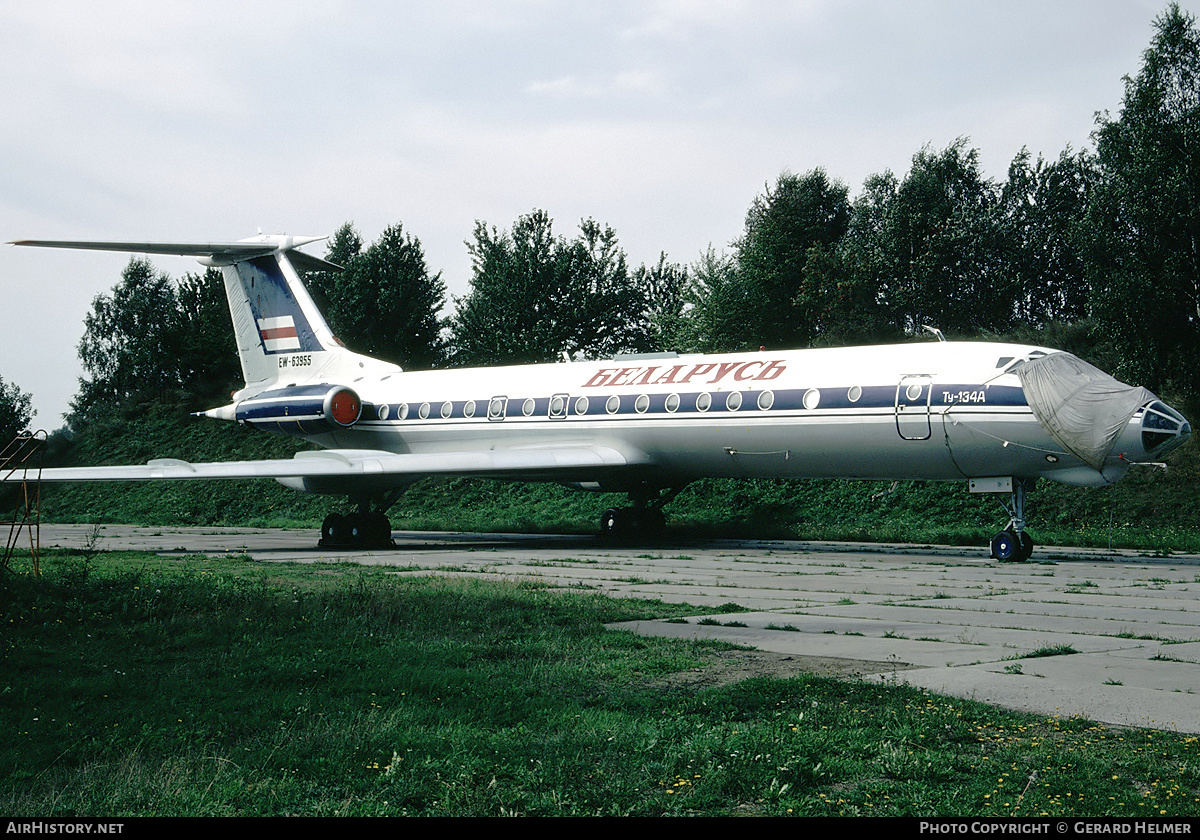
(912, 407)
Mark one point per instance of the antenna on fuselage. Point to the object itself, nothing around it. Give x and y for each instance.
(935, 331)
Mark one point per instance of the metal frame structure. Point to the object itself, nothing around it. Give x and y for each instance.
(21, 461)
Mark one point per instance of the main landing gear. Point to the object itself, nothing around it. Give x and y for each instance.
(644, 519)
(362, 528)
(1014, 544)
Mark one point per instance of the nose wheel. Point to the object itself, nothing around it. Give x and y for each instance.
(1013, 544)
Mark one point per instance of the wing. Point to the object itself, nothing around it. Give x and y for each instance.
(351, 470)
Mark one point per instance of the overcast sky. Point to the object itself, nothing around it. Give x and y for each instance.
(209, 121)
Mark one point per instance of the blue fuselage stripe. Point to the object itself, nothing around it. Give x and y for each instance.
(871, 399)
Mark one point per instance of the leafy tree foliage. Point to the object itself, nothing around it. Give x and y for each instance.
(15, 411)
(535, 295)
(130, 342)
(207, 351)
(153, 338)
(344, 246)
(662, 286)
(788, 229)
(842, 302)
(944, 260)
(386, 303)
(1043, 208)
(1145, 219)
(714, 310)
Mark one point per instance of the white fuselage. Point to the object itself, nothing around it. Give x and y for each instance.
(931, 410)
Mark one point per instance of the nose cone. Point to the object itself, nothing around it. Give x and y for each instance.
(1163, 429)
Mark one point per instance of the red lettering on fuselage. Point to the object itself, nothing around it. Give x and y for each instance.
(621, 377)
(743, 374)
(668, 377)
(697, 370)
(757, 370)
(724, 368)
(644, 379)
(601, 377)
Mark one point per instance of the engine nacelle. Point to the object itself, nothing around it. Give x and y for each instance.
(301, 409)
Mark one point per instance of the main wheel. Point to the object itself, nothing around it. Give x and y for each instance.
(380, 529)
(632, 522)
(358, 528)
(332, 528)
(612, 522)
(652, 522)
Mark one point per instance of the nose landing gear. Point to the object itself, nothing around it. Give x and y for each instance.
(1014, 544)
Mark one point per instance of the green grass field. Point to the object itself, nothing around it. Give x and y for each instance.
(139, 685)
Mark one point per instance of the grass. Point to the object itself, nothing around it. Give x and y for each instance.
(137, 685)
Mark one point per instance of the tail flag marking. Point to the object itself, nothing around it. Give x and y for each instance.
(279, 333)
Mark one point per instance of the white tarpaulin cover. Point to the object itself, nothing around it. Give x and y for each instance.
(1081, 406)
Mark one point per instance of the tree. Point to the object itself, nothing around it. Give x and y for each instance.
(869, 267)
(207, 351)
(842, 302)
(783, 225)
(663, 287)
(130, 345)
(954, 271)
(603, 310)
(385, 303)
(535, 296)
(15, 411)
(711, 314)
(936, 246)
(345, 245)
(1145, 214)
(1043, 207)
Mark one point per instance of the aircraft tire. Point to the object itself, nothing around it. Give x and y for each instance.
(652, 522)
(333, 530)
(380, 529)
(612, 523)
(358, 529)
(1006, 547)
(632, 522)
(1026, 546)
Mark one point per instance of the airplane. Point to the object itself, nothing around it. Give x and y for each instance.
(998, 416)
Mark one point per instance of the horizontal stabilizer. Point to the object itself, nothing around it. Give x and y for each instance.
(214, 253)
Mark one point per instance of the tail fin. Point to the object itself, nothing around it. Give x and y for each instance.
(282, 337)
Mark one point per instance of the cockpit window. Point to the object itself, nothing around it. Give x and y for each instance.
(1161, 425)
(1162, 413)
(1154, 420)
